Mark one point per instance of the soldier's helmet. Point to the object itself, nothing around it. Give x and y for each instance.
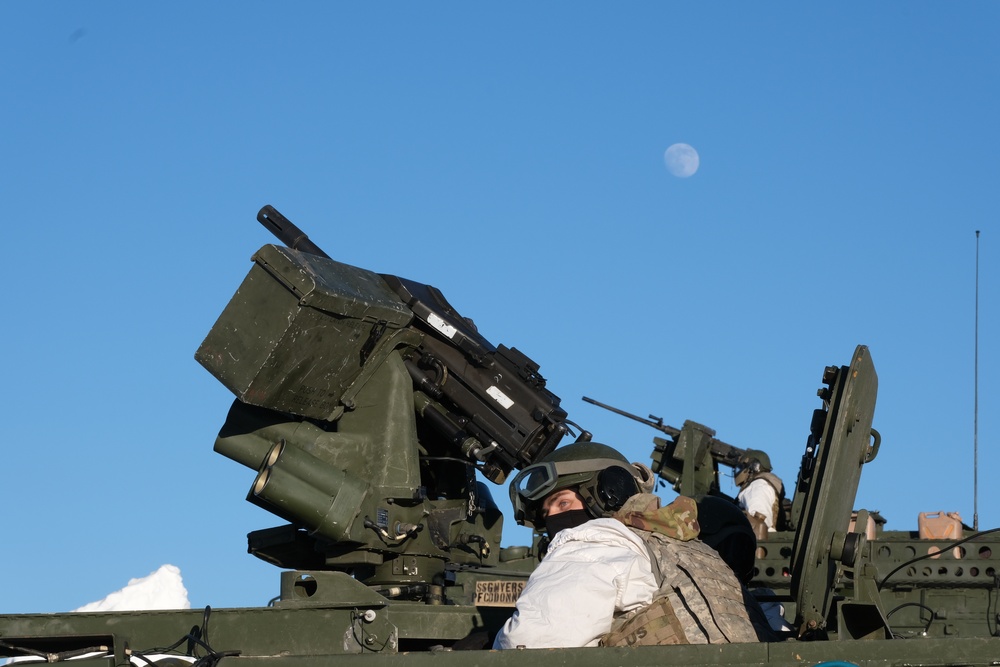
(752, 462)
(599, 473)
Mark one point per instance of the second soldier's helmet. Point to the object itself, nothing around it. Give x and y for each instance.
(600, 474)
(750, 464)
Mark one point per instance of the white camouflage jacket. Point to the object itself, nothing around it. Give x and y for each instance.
(590, 573)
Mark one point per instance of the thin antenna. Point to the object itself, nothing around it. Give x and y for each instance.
(975, 409)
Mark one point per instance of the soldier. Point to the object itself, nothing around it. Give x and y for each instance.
(761, 490)
(618, 570)
(728, 530)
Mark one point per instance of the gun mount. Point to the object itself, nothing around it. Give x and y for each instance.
(366, 405)
(689, 458)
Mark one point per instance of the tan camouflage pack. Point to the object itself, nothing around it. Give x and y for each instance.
(699, 600)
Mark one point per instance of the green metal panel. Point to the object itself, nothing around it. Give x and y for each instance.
(298, 331)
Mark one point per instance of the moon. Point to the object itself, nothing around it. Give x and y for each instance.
(682, 160)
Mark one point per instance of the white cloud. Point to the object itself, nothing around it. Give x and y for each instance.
(163, 589)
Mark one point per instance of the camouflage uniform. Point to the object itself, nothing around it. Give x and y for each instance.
(699, 600)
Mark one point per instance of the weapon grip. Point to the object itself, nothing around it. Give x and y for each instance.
(287, 232)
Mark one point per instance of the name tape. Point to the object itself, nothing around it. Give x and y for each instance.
(501, 593)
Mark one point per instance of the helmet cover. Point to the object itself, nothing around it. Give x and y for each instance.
(600, 474)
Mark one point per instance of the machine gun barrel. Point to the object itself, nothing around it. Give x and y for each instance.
(722, 452)
(655, 422)
(286, 231)
(725, 453)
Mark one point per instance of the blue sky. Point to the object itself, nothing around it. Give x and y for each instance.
(511, 156)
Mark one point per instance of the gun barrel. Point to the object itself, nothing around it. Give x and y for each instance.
(724, 453)
(287, 232)
(657, 424)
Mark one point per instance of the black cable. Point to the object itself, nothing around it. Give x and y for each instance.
(193, 634)
(581, 429)
(197, 637)
(204, 624)
(914, 604)
(357, 621)
(170, 648)
(22, 649)
(453, 459)
(56, 657)
(993, 630)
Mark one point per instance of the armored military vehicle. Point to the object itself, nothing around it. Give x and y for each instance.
(371, 412)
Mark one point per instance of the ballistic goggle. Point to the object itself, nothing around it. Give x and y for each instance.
(540, 479)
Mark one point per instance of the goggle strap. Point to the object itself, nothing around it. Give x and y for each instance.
(588, 465)
(558, 469)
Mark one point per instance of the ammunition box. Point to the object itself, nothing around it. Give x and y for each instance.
(299, 331)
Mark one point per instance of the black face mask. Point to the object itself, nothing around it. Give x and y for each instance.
(570, 519)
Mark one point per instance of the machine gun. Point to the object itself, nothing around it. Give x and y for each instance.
(689, 457)
(367, 403)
